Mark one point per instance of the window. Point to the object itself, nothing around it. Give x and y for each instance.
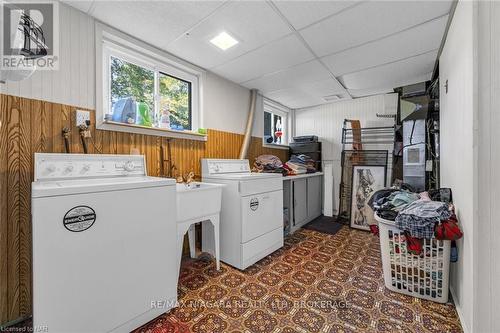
(133, 99)
(275, 123)
(143, 91)
(175, 101)
(132, 93)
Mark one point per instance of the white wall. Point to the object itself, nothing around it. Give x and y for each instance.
(74, 82)
(488, 228)
(326, 122)
(226, 103)
(458, 149)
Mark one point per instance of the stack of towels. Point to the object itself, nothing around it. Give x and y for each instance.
(300, 164)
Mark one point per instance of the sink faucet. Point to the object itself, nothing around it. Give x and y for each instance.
(189, 178)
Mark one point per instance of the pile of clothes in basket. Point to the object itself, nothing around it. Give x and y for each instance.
(421, 216)
(297, 165)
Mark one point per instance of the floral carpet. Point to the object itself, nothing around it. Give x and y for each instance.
(315, 283)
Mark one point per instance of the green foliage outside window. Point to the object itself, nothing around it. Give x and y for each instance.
(175, 95)
(135, 82)
(129, 80)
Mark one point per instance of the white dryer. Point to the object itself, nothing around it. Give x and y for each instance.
(104, 243)
(251, 224)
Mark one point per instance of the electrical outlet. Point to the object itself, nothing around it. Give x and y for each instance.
(82, 117)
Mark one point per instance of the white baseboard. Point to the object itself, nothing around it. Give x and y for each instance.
(459, 311)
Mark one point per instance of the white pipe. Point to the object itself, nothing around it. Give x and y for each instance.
(248, 131)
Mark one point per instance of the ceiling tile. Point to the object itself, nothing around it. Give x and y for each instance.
(293, 98)
(84, 6)
(307, 72)
(286, 52)
(369, 21)
(369, 46)
(252, 23)
(393, 75)
(155, 22)
(303, 13)
(308, 94)
(323, 88)
(421, 39)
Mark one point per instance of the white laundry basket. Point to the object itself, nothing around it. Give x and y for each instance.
(425, 276)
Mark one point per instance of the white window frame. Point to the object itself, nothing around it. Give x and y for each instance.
(112, 43)
(276, 108)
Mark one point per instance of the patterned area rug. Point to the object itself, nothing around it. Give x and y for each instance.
(315, 283)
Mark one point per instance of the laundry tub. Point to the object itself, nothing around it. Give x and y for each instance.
(199, 202)
(424, 276)
(196, 199)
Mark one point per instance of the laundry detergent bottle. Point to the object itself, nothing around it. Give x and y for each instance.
(143, 116)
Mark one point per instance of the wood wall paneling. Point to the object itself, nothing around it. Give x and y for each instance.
(13, 191)
(4, 211)
(28, 126)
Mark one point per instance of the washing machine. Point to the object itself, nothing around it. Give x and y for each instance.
(104, 243)
(251, 224)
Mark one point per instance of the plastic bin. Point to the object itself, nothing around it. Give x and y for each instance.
(424, 276)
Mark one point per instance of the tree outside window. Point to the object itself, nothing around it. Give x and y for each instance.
(175, 96)
(132, 97)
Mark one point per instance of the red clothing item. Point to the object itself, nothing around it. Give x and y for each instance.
(413, 245)
(448, 229)
(374, 229)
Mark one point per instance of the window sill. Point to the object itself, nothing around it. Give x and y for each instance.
(275, 146)
(137, 129)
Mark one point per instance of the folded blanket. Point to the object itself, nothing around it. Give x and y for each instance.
(296, 168)
(268, 164)
(270, 161)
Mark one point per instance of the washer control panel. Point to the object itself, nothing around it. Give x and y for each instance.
(75, 166)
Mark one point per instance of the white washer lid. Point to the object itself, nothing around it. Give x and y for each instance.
(79, 186)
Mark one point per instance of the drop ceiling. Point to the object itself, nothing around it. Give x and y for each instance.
(298, 53)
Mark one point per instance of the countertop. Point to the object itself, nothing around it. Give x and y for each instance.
(306, 175)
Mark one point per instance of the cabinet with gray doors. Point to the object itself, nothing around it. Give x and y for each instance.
(302, 198)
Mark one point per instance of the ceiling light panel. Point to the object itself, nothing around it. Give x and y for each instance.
(236, 18)
(224, 41)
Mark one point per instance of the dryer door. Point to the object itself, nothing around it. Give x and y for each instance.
(262, 213)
